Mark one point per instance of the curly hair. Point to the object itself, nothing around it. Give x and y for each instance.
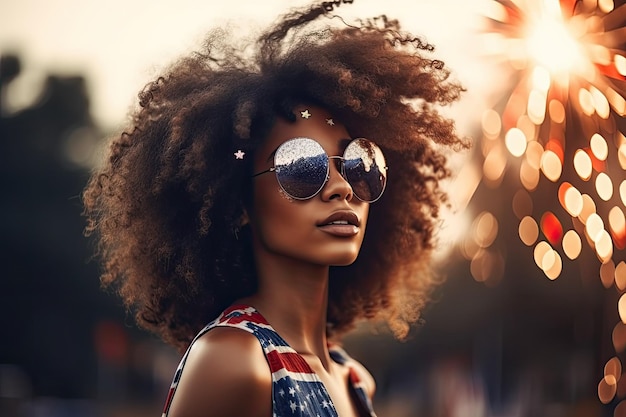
(167, 204)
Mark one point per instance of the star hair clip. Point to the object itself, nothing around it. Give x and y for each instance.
(239, 154)
(305, 114)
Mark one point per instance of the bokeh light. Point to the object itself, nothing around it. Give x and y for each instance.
(619, 337)
(551, 228)
(604, 186)
(491, 124)
(620, 409)
(621, 308)
(561, 120)
(572, 244)
(617, 224)
(551, 165)
(620, 275)
(515, 141)
(522, 204)
(613, 368)
(607, 389)
(599, 147)
(528, 231)
(582, 164)
(485, 229)
(607, 274)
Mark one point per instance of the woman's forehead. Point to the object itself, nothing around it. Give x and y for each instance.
(311, 122)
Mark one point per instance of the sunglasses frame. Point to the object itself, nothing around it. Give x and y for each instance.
(342, 170)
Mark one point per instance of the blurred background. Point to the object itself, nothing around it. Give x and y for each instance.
(530, 320)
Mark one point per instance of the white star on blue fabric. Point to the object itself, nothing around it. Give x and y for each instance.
(305, 114)
(297, 387)
(292, 391)
(282, 392)
(325, 404)
(293, 406)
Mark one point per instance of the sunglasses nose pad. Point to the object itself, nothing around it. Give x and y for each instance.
(337, 182)
(339, 166)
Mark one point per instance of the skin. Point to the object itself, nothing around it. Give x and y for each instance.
(293, 253)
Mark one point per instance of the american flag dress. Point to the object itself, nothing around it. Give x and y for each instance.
(297, 391)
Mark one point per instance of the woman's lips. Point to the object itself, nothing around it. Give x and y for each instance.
(340, 228)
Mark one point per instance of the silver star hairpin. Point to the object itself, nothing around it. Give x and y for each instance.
(239, 154)
(305, 114)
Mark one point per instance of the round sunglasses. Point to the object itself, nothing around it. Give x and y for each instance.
(302, 168)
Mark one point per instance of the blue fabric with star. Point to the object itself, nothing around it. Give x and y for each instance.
(297, 391)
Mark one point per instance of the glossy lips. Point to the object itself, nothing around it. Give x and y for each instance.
(341, 223)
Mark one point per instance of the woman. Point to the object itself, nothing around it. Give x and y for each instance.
(240, 196)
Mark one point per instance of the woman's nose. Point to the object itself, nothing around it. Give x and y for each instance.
(336, 186)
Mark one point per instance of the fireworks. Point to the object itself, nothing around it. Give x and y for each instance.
(560, 122)
(559, 127)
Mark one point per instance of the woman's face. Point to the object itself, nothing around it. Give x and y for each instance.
(326, 229)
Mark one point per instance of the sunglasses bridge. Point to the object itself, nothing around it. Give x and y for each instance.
(341, 168)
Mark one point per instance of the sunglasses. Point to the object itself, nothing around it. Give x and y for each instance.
(302, 168)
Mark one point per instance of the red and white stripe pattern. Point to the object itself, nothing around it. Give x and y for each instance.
(296, 390)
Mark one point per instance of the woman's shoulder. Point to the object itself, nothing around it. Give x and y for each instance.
(225, 374)
(242, 348)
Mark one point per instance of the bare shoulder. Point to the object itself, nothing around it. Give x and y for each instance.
(224, 366)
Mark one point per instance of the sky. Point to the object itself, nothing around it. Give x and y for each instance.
(120, 45)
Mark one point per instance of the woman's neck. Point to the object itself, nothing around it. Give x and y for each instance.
(293, 297)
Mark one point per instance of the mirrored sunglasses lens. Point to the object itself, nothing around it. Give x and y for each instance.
(365, 169)
(301, 167)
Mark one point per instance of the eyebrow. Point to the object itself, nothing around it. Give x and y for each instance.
(343, 143)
